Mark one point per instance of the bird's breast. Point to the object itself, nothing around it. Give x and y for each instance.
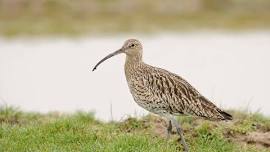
(141, 91)
(138, 86)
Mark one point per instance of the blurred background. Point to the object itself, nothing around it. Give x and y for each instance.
(48, 48)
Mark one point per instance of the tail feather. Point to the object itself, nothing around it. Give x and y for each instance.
(225, 115)
(217, 113)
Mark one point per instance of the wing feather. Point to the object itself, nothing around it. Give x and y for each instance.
(181, 96)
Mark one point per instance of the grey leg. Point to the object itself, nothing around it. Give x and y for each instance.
(169, 129)
(180, 132)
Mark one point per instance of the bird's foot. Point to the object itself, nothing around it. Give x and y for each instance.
(185, 147)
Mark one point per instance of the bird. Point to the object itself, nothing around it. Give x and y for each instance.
(162, 92)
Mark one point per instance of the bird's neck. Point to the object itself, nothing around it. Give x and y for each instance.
(134, 58)
(133, 62)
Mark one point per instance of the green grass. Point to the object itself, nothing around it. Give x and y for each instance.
(91, 17)
(22, 131)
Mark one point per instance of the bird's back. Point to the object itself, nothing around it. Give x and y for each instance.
(162, 92)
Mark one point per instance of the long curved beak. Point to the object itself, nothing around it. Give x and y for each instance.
(107, 57)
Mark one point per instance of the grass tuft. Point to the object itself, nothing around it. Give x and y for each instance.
(22, 131)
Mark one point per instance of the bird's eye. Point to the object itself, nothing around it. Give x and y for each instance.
(132, 45)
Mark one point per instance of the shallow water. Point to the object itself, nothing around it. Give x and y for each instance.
(54, 74)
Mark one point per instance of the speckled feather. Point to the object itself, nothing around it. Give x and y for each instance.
(165, 93)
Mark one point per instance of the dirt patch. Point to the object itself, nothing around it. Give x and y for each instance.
(257, 138)
(160, 127)
(134, 124)
(9, 120)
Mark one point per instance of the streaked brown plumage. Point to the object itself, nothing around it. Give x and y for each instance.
(162, 92)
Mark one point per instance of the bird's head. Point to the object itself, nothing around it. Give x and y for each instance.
(131, 47)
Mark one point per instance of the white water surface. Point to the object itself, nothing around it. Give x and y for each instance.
(54, 74)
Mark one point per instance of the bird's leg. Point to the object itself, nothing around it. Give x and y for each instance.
(169, 129)
(180, 132)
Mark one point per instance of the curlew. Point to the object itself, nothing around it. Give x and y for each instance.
(162, 92)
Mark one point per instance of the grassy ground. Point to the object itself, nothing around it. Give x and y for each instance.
(68, 17)
(21, 131)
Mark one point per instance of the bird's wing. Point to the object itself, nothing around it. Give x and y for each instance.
(181, 97)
